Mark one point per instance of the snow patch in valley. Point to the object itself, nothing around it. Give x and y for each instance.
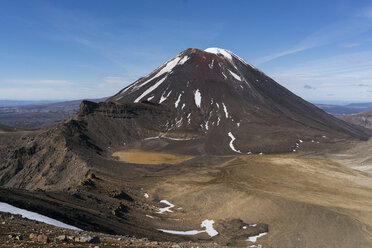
(254, 238)
(152, 217)
(207, 224)
(5, 207)
(146, 195)
(166, 209)
(235, 75)
(232, 143)
(170, 138)
(192, 232)
(197, 97)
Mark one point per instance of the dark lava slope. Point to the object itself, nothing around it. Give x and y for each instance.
(232, 107)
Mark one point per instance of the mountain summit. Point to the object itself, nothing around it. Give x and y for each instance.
(231, 106)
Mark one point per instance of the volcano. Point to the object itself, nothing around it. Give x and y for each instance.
(229, 106)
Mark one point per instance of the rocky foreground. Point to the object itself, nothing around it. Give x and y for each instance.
(16, 231)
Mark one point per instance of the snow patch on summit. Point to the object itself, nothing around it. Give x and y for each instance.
(216, 50)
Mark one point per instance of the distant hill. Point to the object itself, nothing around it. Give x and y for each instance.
(5, 128)
(38, 115)
(363, 119)
(7, 103)
(341, 110)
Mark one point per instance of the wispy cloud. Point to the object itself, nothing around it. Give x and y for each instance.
(367, 13)
(35, 82)
(50, 89)
(345, 76)
(336, 32)
(309, 87)
(349, 44)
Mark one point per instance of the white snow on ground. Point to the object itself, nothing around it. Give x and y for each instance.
(260, 153)
(207, 125)
(170, 138)
(188, 118)
(244, 227)
(300, 140)
(151, 138)
(225, 109)
(183, 60)
(178, 101)
(235, 75)
(4, 207)
(253, 225)
(149, 90)
(218, 120)
(152, 217)
(254, 238)
(192, 232)
(238, 124)
(167, 68)
(183, 106)
(231, 143)
(217, 51)
(211, 64)
(208, 224)
(150, 98)
(218, 106)
(197, 97)
(179, 123)
(146, 195)
(163, 98)
(223, 74)
(166, 209)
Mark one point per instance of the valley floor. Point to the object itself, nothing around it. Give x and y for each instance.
(276, 201)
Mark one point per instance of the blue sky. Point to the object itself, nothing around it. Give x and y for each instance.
(320, 50)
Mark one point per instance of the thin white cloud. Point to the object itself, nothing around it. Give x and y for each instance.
(346, 76)
(349, 45)
(367, 13)
(327, 35)
(48, 89)
(18, 81)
